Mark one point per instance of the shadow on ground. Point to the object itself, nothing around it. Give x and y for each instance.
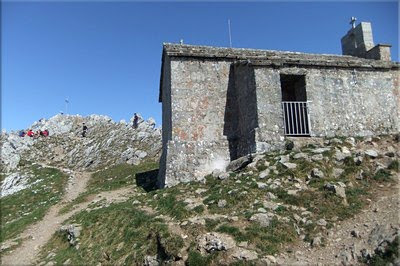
(147, 180)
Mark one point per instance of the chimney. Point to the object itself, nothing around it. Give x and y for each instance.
(359, 42)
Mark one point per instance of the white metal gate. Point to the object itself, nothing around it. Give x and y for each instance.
(296, 118)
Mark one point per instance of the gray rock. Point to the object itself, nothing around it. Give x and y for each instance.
(322, 222)
(300, 156)
(355, 233)
(358, 160)
(216, 173)
(140, 154)
(338, 189)
(270, 196)
(284, 158)
(317, 157)
(290, 165)
(72, 233)
(371, 153)
(67, 262)
(239, 163)
(211, 242)
(151, 261)
(221, 203)
(244, 254)
(321, 150)
(269, 259)
(13, 183)
(262, 218)
(264, 174)
(316, 241)
(270, 205)
(316, 173)
(336, 172)
(351, 141)
(261, 185)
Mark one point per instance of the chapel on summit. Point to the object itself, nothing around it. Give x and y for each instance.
(219, 104)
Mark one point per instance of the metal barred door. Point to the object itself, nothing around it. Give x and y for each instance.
(296, 118)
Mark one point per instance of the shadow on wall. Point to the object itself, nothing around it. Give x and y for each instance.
(241, 120)
(147, 180)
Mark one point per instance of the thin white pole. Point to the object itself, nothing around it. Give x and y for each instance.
(230, 35)
(66, 105)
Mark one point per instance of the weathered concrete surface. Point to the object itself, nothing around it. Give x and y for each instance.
(222, 103)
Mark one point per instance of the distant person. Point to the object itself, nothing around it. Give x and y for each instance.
(135, 121)
(84, 130)
(22, 133)
(30, 133)
(46, 133)
(36, 134)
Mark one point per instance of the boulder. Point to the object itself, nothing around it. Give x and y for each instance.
(263, 219)
(371, 153)
(316, 173)
(239, 163)
(264, 174)
(290, 165)
(300, 155)
(221, 203)
(211, 242)
(72, 233)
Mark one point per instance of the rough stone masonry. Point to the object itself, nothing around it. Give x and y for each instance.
(219, 104)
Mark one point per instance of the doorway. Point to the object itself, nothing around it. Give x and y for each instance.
(294, 105)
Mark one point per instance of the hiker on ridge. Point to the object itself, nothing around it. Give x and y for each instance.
(29, 133)
(84, 130)
(135, 121)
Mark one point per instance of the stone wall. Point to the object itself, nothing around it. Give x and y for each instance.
(342, 102)
(197, 143)
(218, 105)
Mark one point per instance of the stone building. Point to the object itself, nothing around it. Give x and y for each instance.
(219, 104)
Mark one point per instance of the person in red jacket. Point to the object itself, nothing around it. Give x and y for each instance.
(45, 133)
(30, 133)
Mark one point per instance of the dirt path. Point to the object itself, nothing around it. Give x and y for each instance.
(36, 235)
(341, 246)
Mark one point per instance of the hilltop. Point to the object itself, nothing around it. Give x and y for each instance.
(70, 200)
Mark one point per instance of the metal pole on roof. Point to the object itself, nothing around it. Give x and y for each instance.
(230, 36)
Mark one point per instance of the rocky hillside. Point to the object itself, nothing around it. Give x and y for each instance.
(80, 201)
(106, 143)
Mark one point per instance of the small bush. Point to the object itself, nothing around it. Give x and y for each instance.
(233, 231)
(394, 165)
(196, 259)
(382, 175)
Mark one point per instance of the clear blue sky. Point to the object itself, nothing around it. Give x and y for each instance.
(106, 56)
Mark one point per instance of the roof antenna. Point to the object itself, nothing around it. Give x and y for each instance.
(230, 36)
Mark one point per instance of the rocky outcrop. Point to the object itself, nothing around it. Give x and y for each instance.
(106, 142)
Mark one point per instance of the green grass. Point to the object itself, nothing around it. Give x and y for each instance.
(28, 206)
(394, 165)
(233, 231)
(196, 259)
(270, 239)
(103, 231)
(383, 175)
(169, 204)
(142, 233)
(115, 177)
